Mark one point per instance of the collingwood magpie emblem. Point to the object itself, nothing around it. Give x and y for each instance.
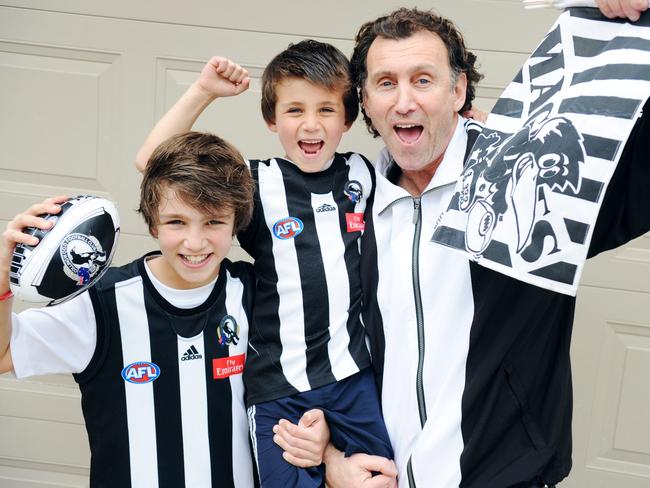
(228, 331)
(82, 257)
(354, 191)
(530, 193)
(515, 173)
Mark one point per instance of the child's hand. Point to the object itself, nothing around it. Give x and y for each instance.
(303, 444)
(14, 234)
(221, 77)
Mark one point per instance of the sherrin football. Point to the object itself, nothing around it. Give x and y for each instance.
(70, 256)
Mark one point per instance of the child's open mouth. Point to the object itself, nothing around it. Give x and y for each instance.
(311, 147)
(196, 260)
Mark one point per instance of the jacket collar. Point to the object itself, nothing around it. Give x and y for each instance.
(448, 172)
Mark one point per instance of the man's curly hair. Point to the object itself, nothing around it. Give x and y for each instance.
(402, 24)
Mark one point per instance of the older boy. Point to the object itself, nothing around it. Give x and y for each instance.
(307, 343)
(182, 312)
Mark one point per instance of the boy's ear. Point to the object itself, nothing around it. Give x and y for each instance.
(153, 232)
(272, 126)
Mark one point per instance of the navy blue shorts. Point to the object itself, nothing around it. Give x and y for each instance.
(351, 407)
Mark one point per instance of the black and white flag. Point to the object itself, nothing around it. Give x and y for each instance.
(527, 201)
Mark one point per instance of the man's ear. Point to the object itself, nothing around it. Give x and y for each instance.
(460, 91)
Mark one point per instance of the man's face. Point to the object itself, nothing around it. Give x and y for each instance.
(410, 98)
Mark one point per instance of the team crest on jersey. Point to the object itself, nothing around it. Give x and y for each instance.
(228, 331)
(288, 228)
(354, 191)
(141, 372)
(82, 257)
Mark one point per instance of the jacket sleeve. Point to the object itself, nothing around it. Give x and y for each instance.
(625, 212)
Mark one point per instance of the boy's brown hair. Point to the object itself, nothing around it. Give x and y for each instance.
(204, 171)
(316, 62)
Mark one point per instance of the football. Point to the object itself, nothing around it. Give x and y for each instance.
(70, 256)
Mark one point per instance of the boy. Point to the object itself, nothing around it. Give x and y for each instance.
(181, 312)
(307, 343)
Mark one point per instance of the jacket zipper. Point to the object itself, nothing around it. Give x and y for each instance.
(415, 272)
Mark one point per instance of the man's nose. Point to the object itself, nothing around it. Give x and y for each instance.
(405, 99)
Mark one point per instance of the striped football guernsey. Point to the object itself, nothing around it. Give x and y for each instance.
(163, 395)
(306, 330)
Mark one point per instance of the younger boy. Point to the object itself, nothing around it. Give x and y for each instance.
(307, 343)
(181, 313)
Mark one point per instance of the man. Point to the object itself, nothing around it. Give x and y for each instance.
(473, 366)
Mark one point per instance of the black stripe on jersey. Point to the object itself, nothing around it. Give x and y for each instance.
(357, 345)
(622, 108)
(219, 395)
(612, 72)
(372, 318)
(587, 48)
(105, 465)
(298, 189)
(263, 337)
(169, 430)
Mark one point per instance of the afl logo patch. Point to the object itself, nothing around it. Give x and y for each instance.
(287, 228)
(141, 372)
(82, 257)
(354, 191)
(228, 331)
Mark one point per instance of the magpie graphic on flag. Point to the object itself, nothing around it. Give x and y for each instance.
(528, 199)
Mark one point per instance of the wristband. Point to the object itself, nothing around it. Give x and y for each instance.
(6, 295)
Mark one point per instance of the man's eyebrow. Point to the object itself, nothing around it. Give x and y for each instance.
(418, 68)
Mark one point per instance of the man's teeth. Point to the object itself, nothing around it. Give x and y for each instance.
(195, 259)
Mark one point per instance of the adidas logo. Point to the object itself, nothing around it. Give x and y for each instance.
(191, 353)
(326, 207)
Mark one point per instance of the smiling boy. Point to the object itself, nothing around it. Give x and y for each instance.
(180, 313)
(307, 342)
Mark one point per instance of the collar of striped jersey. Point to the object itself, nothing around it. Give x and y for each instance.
(448, 172)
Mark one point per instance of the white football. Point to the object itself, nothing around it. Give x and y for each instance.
(69, 257)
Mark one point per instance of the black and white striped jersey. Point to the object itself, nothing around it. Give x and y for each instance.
(163, 394)
(474, 366)
(306, 330)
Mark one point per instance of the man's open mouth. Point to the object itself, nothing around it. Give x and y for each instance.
(408, 133)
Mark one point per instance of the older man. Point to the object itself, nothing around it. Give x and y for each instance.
(473, 366)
